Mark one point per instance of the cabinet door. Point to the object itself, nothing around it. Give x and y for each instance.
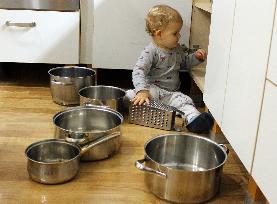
(272, 66)
(218, 56)
(53, 39)
(246, 76)
(265, 163)
(119, 30)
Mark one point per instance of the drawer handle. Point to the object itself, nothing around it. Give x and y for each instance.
(23, 25)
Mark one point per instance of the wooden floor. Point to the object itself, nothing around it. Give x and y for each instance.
(26, 117)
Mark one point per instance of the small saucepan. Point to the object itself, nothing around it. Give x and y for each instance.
(104, 96)
(55, 161)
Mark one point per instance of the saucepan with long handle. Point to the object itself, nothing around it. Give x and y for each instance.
(55, 161)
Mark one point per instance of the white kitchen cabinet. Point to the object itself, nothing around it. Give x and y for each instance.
(250, 45)
(272, 65)
(119, 30)
(265, 163)
(39, 36)
(218, 56)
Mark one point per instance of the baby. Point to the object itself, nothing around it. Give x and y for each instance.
(156, 73)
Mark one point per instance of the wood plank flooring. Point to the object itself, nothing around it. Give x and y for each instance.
(26, 117)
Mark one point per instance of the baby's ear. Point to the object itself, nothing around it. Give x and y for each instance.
(157, 33)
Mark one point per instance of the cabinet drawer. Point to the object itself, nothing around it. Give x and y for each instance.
(39, 36)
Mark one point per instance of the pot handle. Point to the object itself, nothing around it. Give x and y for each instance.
(69, 138)
(140, 166)
(225, 148)
(87, 146)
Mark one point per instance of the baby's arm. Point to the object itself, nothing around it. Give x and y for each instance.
(139, 76)
(188, 61)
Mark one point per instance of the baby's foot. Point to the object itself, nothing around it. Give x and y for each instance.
(201, 124)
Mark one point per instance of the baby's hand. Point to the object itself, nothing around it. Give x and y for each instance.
(201, 54)
(141, 97)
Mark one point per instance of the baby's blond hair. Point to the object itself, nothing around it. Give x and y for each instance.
(159, 17)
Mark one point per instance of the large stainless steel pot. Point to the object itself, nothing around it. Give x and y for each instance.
(65, 83)
(183, 168)
(104, 96)
(57, 161)
(87, 123)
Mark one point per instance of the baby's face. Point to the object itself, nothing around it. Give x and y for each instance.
(170, 35)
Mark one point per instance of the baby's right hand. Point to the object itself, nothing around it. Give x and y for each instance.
(141, 97)
(201, 54)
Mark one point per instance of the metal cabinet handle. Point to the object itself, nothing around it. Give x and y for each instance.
(23, 25)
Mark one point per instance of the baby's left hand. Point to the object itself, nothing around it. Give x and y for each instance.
(201, 54)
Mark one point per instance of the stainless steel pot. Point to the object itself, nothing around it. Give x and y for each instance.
(104, 96)
(57, 161)
(87, 123)
(183, 168)
(65, 83)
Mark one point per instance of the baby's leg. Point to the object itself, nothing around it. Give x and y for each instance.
(183, 103)
(196, 122)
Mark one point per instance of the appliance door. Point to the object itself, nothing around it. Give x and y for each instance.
(55, 5)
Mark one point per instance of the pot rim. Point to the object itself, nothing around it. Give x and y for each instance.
(186, 135)
(88, 107)
(71, 67)
(51, 141)
(96, 86)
